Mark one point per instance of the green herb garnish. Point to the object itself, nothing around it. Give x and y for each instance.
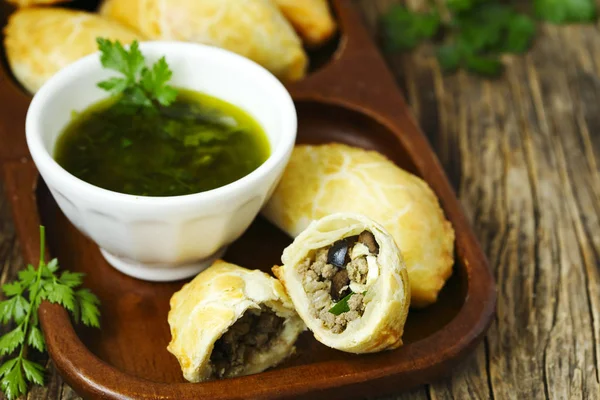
(24, 296)
(140, 86)
(566, 11)
(341, 306)
(475, 33)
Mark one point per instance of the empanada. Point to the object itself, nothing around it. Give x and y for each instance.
(41, 41)
(230, 321)
(324, 179)
(255, 29)
(348, 282)
(311, 19)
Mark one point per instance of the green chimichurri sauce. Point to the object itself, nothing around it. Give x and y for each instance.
(198, 143)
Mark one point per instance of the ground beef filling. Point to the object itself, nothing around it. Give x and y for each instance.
(254, 332)
(327, 276)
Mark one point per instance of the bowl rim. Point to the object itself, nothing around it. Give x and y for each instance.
(61, 80)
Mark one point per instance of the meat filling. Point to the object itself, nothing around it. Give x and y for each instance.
(253, 333)
(329, 274)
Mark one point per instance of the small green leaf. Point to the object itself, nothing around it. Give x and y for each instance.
(7, 366)
(13, 383)
(12, 289)
(71, 279)
(62, 294)
(6, 307)
(88, 303)
(21, 308)
(135, 96)
(114, 85)
(404, 29)
(566, 11)
(34, 372)
(27, 275)
(521, 30)
(113, 56)
(449, 58)
(341, 306)
(52, 265)
(11, 340)
(487, 66)
(135, 60)
(460, 5)
(125, 143)
(36, 339)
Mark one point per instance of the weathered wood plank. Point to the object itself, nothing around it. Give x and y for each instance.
(522, 154)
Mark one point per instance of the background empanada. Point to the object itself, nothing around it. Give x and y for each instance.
(255, 29)
(41, 41)
(311, 19)
(326, 179)
(29, 3)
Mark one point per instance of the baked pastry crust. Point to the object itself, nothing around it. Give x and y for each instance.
(386, 301)
(311, 18)
(41, 41)
(204, 309)
(255, 29)
(325, 179)
(29, 3)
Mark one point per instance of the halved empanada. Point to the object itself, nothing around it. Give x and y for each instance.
(348, 282)
(255, 29)
(230, 321)
(41, 41)
(325, 179)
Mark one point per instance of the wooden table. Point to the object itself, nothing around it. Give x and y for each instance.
(522, 154)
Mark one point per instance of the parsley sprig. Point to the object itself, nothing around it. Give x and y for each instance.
(24, 296)
(140, 86)
(475, 33)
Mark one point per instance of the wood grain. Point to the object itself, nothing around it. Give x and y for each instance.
(522, 152)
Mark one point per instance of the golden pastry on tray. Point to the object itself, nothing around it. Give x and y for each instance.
(256, 29)
(348, 282)
(41, 41)
(325, 179)
(29, 3)
(311, 19)
(230, 321)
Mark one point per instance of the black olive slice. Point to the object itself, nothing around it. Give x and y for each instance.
(337, 253)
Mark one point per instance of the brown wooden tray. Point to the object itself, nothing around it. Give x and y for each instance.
(353, 99)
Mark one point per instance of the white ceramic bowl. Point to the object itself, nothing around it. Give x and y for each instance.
(164, 238)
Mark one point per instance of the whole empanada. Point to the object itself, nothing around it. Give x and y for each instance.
(348, 282)
(230, 321)
(325, 179)
(41, 41)
(255, 29)
(311, 19)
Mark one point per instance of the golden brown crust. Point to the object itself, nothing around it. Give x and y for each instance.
(387, 299)
(311, 18)
(324, 179)
(41, 41)
(29, 3)
(208, 305)
(255, 29)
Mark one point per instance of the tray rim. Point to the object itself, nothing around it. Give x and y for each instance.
(21, 177)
